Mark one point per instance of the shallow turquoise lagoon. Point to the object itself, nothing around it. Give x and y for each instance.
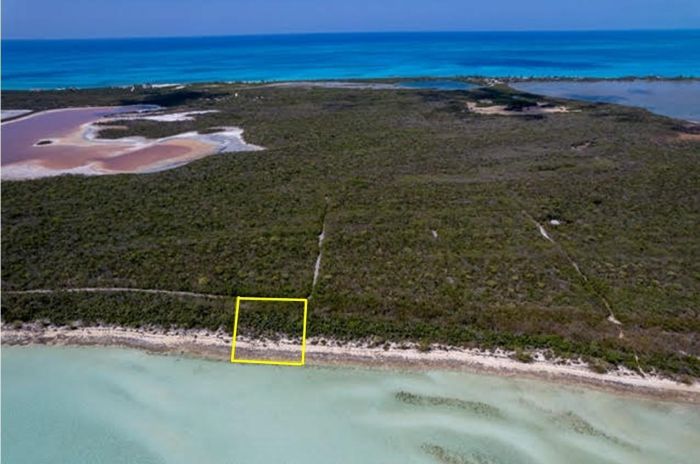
(677, 99)
(105, 405)
(437, 84)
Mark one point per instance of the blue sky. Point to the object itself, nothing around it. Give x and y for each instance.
(137, 18)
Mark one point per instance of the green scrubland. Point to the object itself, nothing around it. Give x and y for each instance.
(430, 215)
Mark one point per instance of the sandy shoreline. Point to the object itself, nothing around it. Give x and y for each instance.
(217, 346)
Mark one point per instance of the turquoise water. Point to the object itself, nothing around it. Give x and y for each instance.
(678, 99)
(437, 84)
(87, 405)
(95, 63)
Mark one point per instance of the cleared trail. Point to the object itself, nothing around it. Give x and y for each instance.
(611, 315)
(543, 232)
(117, 290)
(321, 237)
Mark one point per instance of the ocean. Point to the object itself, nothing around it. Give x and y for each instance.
(110, 405)
(39, 64)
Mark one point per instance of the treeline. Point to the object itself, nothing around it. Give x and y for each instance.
(167, 311)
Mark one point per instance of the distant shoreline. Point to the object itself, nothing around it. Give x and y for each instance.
(323, 352)
(471, 79)
(670, 97)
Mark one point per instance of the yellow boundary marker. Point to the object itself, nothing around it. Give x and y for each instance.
(266, 361)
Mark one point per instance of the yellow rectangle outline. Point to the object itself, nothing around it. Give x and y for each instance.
(265, 361)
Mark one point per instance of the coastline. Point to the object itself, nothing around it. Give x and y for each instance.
(661, 98)
(323, 352)
(385, 83)
(212, 345)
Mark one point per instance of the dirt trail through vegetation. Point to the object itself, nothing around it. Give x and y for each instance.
(117, 290)
(611, 316)
(321, 237)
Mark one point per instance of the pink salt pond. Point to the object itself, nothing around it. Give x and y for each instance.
(63, 141)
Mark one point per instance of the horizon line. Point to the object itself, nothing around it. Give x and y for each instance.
(283, 34)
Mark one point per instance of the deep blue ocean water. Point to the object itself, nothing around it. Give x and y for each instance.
(94, 63)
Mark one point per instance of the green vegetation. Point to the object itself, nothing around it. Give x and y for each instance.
(382, 169)
(522, 356)
(269, 319)
(127, 309)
